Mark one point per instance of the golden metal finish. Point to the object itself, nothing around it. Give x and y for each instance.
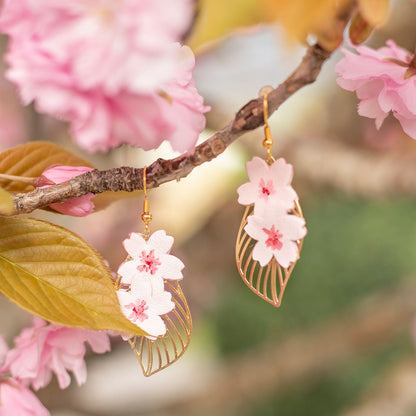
(268, 282)
(146, 216)
(155, 355)
(268, 141)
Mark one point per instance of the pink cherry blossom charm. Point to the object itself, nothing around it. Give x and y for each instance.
(267, 250)
(272, 229)
(155, 354)
(151, 298)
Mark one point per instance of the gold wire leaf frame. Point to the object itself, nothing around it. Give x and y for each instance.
(269, 282)
(155, 355)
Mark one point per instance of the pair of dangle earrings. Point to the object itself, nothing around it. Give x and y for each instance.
(150, 296)
(272, 229)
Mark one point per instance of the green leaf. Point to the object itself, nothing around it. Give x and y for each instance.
(6, 203)
(54, 274)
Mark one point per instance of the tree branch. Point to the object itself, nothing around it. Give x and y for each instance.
(249, 117)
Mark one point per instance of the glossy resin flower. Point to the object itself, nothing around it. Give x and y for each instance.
(268, 185)
(383, 81)
(144, 303)
(276, 236)
(150, 259)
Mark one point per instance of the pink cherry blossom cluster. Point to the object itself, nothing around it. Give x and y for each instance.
(142, 295)
(41, 351)
(114, 69)
(271, 224)
(384, 82)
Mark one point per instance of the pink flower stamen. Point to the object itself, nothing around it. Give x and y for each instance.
(137, 310)
(266, 189)
(150, 262)
(274, 238)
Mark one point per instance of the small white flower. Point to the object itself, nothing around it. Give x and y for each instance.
(143, 306)
(276, 237)
(150, 258)
(268, 185)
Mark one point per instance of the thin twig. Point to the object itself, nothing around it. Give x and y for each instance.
(23, 179)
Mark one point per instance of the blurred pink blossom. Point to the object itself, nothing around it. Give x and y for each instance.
(276, 236)
(49, 348)
(384, 81)
(77, 207)
(115, 70)
(150, 259)
(268, 185)
(15, 397)
(17, 400)
(144, 303)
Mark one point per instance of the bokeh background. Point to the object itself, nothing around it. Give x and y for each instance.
(342, 342)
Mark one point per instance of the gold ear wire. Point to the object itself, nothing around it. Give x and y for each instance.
(146, 215)
(268, 141)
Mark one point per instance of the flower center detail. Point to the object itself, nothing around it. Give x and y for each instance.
(266, 189)
(150, 262)
(274, 238)
(137, 310)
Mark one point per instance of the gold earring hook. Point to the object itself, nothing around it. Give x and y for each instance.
(267, 142)
(146, 216)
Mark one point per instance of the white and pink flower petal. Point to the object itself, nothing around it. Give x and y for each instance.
(128, 271)
(161, 303)
(287, 254)
(247, 193)
(261, 253)
(153, 325)
(158, 285)
(291, 226)
(141, 288)
(282, 172)
(254, 228)
(171, 267)
(160, 241)
(257, 168)
(134, 245)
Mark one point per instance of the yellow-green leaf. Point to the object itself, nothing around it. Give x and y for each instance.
(54, 274)
(301, 17)
(6, 203)
(31, 159)
(359, 30)
(375, 12)
(217, 18)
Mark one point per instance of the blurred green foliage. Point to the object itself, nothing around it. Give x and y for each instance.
(329, 395)
(353, 248)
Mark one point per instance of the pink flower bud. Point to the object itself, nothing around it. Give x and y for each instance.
(77, 207)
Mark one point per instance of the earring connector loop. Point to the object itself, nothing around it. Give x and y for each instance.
(268, 141)
(146, 215)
